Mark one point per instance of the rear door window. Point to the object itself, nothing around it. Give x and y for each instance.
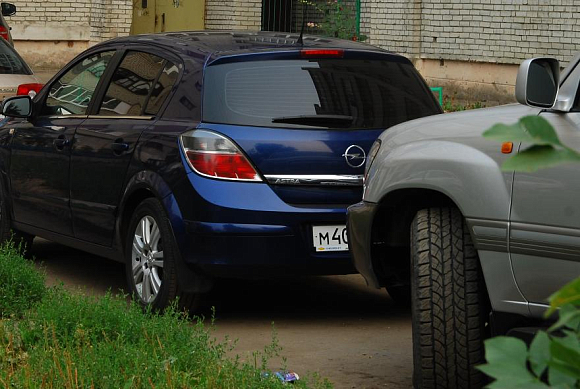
(131, 84)
(325, 93)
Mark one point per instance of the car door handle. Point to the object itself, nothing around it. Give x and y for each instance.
(119, 147)
(60, 143)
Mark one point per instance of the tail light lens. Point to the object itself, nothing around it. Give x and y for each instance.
(29, 89)
(4, 32)
(213, 155)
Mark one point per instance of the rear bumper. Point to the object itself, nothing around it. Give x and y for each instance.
(244, 230)
(360, 218)
(261, 250)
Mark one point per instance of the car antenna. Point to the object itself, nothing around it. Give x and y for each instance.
(300, 40)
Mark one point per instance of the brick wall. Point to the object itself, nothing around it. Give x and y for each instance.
(497, 31)
(233, 14)
(92, 20)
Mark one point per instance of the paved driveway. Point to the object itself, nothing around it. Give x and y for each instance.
(335, 326)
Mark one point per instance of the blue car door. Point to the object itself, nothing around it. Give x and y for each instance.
(39, 170)
(105, 142)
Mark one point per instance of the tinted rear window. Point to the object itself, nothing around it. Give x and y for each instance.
(10, 62)
(341, 93)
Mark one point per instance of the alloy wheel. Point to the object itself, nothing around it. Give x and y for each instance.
(147, 259)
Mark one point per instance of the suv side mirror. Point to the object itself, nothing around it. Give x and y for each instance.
(17, 107)
(538, 81)
(8, 9)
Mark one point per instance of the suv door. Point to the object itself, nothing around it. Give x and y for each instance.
(39, 169)
(545, 220)
(104, 143)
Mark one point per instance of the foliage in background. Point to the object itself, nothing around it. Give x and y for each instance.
(338, 19)
(450, 106)
(545, 150)
(553, 358)
(21, 285)
(71, 341)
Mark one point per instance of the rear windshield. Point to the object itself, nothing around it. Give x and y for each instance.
(10, 62)
(325, 93)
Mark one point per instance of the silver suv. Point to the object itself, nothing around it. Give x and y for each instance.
(486, 247)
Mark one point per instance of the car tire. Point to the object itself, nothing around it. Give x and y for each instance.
(151, 254)
(449, 302)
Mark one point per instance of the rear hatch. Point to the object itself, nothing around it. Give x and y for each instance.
(307, 119)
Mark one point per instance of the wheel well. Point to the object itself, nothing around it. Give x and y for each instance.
(391, 231)
(131, 204)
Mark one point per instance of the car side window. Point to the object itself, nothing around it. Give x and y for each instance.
(132, 84)
(71, 94)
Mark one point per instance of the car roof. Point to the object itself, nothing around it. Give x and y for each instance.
(219, 43)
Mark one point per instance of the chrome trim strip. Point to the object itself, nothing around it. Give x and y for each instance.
(325, 180)
(68, 117)
(121, 117)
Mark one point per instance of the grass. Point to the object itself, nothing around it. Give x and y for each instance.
(50, 338)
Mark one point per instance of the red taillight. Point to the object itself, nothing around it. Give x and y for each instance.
(222, 165)
(311, 53)
(216, 156)
(29, 89)
(3, 32)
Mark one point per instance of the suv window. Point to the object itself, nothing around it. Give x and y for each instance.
(131, 84)
(342, 93)
(71, 94)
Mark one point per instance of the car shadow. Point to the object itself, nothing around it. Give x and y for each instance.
(322, 297)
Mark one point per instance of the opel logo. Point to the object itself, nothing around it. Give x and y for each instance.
(355, 156)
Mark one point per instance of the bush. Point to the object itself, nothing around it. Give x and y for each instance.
(21, 284)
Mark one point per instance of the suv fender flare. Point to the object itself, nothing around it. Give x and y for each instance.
(474, 182)
(470, 178)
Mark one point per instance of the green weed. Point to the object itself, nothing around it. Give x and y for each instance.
(66, 340)
(21, 284)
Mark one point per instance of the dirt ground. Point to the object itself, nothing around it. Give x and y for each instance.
(334, 326)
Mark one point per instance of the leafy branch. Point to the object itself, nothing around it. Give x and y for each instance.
(546, 149)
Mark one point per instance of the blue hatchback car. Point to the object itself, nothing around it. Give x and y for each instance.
(195, 155)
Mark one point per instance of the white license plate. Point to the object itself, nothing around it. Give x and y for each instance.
(330, 238)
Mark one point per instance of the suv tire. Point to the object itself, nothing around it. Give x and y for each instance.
(144, 267)
(449, 304)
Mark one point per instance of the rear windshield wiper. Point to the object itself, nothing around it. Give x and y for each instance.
(340, 121)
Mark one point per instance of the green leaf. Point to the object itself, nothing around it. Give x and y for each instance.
(539, 354)
(536, 157)
(569, 294)
(559, 379)
(540, 130)
(506, 362)
(569, 316)
(508, 133)
(565, 359)
(530, 129)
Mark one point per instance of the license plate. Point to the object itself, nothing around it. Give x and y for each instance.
(330, 238)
